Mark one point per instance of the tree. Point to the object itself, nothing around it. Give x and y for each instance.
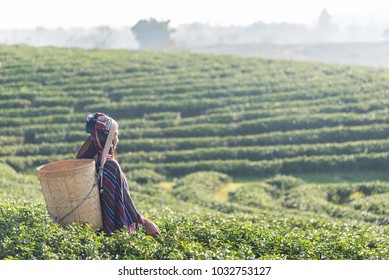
(324, 19)
(152, 34)
(325, 29)
(102, 36)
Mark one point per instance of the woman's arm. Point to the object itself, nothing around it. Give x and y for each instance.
(151, 228)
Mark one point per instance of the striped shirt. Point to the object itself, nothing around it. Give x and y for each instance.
(117, 208)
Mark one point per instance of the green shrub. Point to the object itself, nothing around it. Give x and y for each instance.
(199, 185)
(28, 233)
(258, 195)
(284, 182)
(145, 176)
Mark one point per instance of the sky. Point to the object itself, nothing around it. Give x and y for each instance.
(28, 14)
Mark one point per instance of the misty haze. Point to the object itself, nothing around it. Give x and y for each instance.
(325, 40)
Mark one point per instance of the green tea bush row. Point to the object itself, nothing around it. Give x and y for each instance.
(27, 233)
(323, 135)
(34, 111)
(145, 176)
(199, 185)
(301, 164)
(313, 199)
(259, 126)
(21, 163)
(241, 114)
(14, 103)
(306, 136)
(344, 201)
(256, 153)
(376, 204)
(341, 194)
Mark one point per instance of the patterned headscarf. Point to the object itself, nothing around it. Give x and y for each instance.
(98, 121)
(98, 125)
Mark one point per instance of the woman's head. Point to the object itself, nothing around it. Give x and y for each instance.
(99, 126)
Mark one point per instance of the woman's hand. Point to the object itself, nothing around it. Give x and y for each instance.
(151, 228)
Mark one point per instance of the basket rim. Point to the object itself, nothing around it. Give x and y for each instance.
(40, 169)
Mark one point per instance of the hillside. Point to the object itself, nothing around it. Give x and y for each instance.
(297, 150)
(181, 113)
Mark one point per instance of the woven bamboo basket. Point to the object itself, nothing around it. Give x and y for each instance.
(67, 188)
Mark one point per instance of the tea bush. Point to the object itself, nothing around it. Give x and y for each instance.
(145, 176)
(27, 232)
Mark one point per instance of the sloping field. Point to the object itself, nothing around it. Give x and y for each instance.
(203, 140)
(182, 113)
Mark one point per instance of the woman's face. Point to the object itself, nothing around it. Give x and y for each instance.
(116, 138)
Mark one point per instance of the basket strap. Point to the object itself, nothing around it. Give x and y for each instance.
(59, 219)
(108, 142)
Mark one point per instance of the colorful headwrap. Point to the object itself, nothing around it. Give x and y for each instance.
(98, 125)
(99, 145)
(98, 121)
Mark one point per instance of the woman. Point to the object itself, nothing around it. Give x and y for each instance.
(117, 208)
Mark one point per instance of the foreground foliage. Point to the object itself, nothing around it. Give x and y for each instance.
(28, 233)
(282, 217)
